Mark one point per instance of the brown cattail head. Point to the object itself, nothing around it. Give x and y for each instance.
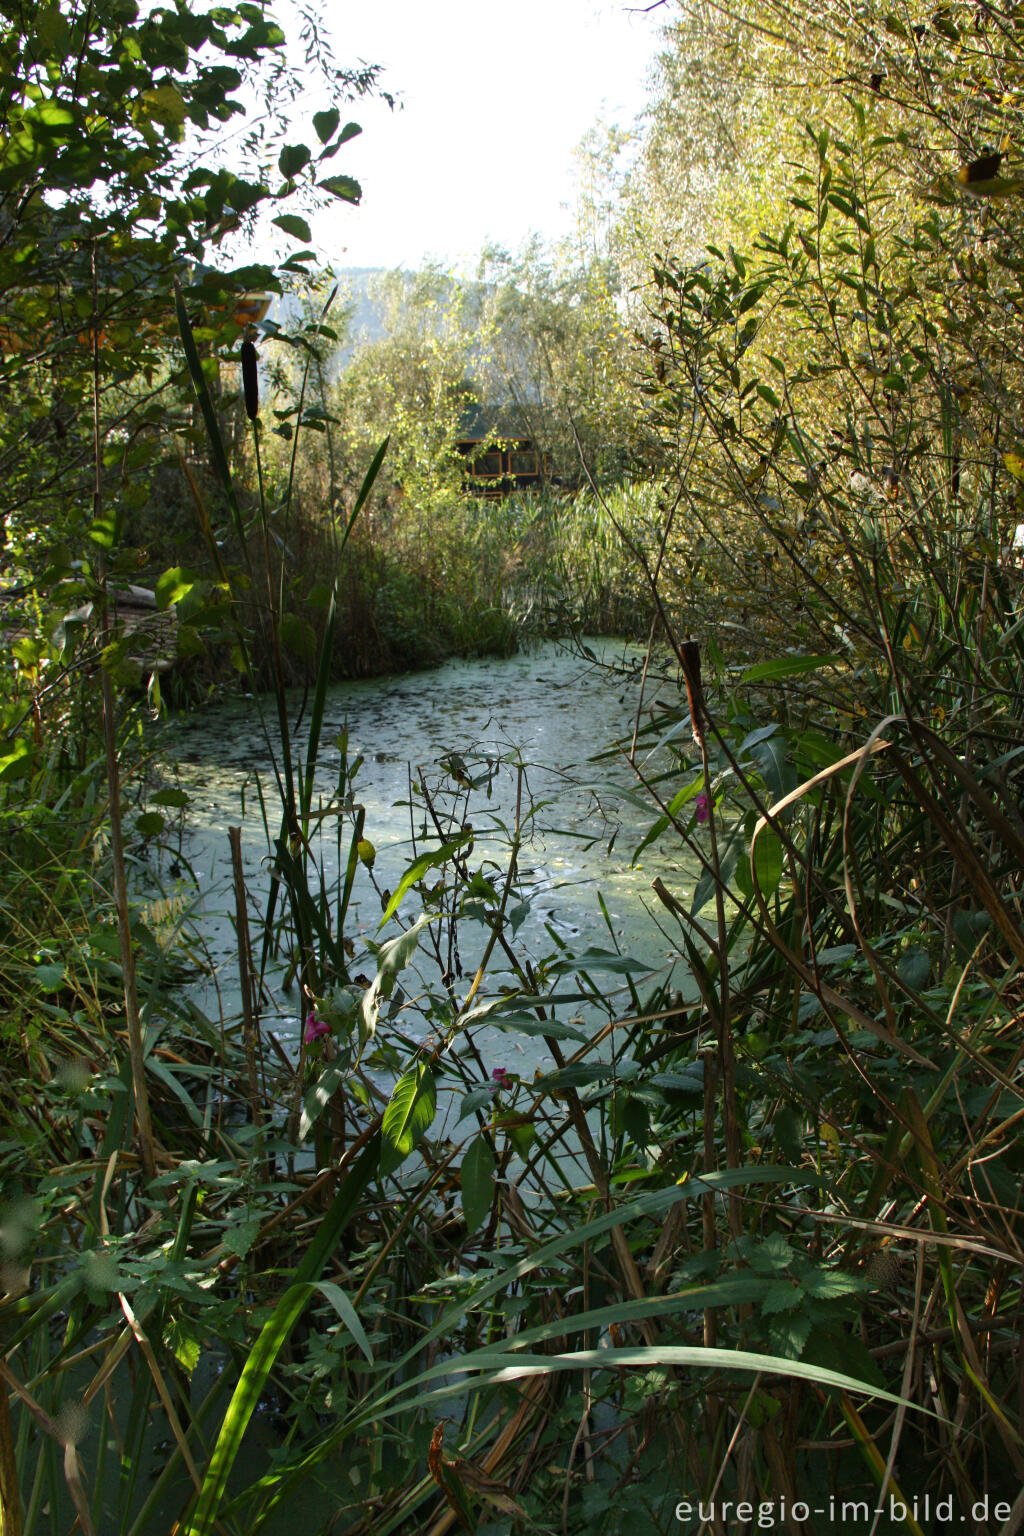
(689, 655)
(250, 381)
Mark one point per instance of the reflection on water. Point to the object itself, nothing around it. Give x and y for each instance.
(547, 709)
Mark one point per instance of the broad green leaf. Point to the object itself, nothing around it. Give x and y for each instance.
(342, 186)
(418, 869)
(476, 1177)
(184, 1342)
(579, 1076)
(325, 123)
(172, 797)
(172, 586)
(408, 1117)
(599, 960)
(49, 977)
(767, 866)
(298, 635)
(150, 824)
(291, 161)
(476, 1098)
(165, 105)
(293, 225)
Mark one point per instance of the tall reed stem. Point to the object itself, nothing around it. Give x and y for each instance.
(133, 1019)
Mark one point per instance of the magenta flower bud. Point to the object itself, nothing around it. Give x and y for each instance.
(703, 807)
(315, 1028)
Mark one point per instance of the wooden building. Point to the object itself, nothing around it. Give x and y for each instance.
(499, 466)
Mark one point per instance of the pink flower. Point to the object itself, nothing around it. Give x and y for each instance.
(703, 807)
(315, 1028)
(501, 1079)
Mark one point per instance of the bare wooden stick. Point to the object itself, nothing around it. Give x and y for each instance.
(249, 1011)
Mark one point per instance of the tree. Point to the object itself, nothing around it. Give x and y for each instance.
(116, 175)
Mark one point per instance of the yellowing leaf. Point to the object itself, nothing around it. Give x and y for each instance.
(165, 104)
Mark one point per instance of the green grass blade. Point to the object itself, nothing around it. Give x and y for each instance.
(323, 670)
(272, 1340)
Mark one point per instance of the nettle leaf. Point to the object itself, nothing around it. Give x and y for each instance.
(781, 1296)
(409, 1115)
(915, 969)
(240, 1238)
(476, 1177)
(49, 977)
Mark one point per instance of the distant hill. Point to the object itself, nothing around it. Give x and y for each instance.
(355, 293)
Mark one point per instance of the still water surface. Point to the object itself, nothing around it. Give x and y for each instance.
(548, 709)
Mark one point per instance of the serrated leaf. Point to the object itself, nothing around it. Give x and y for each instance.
(915, 969)
(291, 161)
(408, 1116)
(476, 1176)
(240, 1238)
(184, 1343)
(342, 186)
(781, 1296)
(293, 225)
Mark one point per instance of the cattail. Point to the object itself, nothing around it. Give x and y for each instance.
(250, 381)
(689, 655)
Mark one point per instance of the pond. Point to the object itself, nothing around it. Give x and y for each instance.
(541, 715)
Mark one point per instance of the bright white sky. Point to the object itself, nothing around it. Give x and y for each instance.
(495, 98)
